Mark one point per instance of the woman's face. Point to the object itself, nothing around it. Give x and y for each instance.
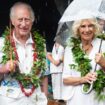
(86, 30)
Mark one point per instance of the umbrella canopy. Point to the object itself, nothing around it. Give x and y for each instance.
(79, 9)
(95, 6)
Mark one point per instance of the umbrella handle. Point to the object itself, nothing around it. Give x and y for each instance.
(87, 88)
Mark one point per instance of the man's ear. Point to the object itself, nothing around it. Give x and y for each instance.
(12, 22)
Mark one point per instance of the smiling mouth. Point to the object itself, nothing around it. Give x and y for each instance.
(87, 34)
(24, 30)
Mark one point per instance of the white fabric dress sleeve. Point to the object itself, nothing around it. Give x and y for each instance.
(68, 90)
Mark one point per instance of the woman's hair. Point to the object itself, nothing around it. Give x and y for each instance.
(77, 24)
(21, 5)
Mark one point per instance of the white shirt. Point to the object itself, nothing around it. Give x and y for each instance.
(10, 87)
(25, 54)
(57, 54)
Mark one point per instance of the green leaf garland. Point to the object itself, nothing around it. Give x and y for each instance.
(38, 66)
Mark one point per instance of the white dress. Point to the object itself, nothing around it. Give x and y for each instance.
(73, 94)
(10, 92)
(56, 72)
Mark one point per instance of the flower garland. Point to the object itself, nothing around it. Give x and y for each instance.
(39, 62)
(83, 65)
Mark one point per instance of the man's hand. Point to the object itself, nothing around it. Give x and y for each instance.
(10, 66)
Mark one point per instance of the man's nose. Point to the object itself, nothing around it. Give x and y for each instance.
(23, 23)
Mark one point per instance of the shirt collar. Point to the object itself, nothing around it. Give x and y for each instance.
(29, 40)
(94, 41)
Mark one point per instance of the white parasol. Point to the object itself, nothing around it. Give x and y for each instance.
(79, 9)
(95, 6)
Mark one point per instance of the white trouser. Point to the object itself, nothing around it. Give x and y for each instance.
(57, 85)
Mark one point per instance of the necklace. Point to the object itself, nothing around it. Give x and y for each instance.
(39, 59)
(82, 61)
(17, 58)
(87, 48)
(27, 93)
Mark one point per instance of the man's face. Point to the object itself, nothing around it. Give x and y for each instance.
(22, 22)
(86, 30)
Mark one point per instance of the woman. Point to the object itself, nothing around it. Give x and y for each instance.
(56, 66)
(83, 50)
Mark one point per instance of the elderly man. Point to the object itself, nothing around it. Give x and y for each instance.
(22, 60)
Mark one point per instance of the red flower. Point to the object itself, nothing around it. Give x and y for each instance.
(27, 93)
(12, 43)
(35, 56)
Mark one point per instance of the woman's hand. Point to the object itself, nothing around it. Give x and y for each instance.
(100, 59)
(89, 78)
(56, 62)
